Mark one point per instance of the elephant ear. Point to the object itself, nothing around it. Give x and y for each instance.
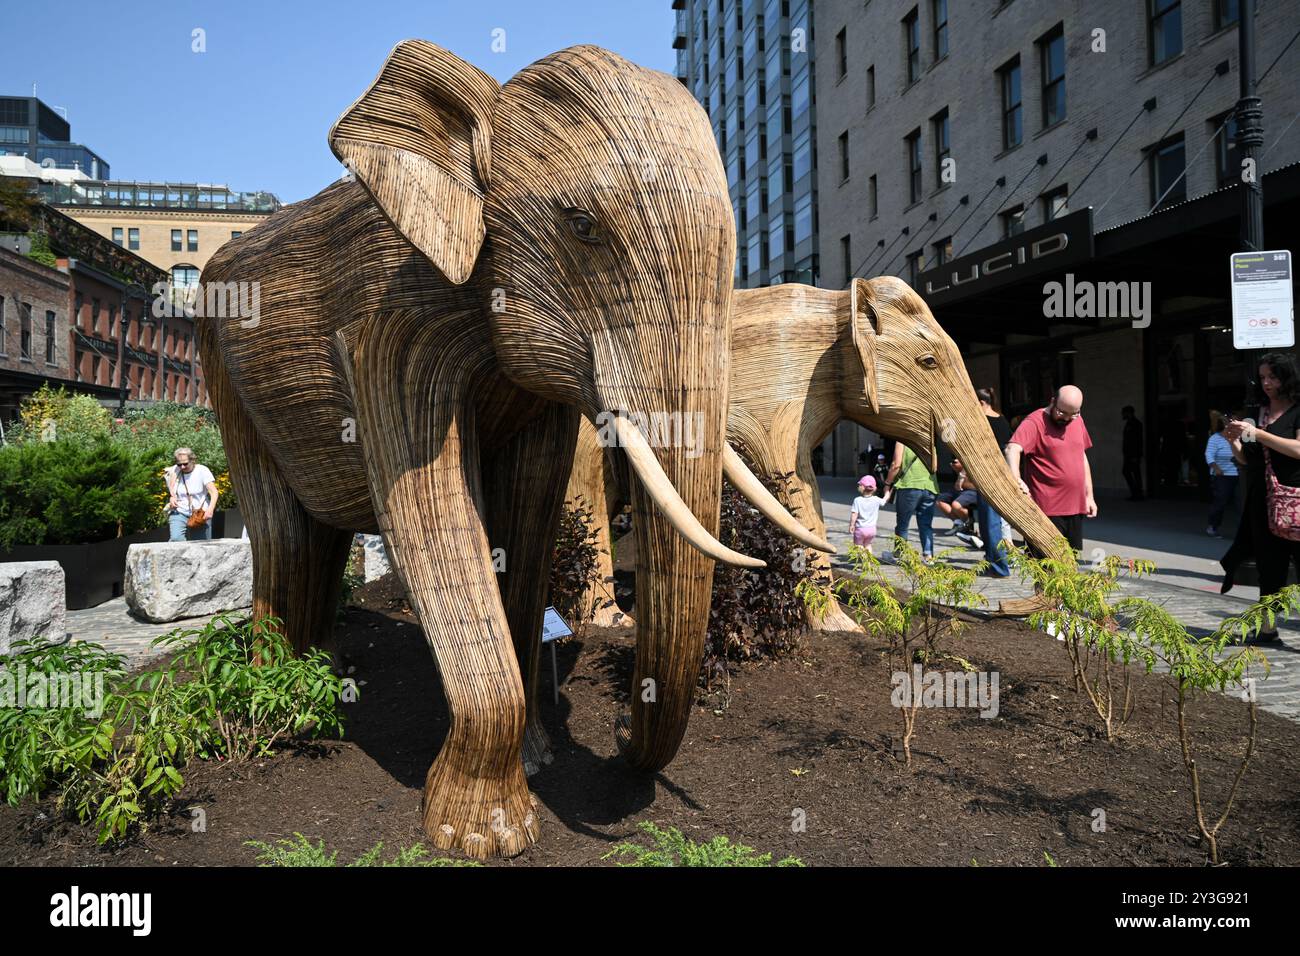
(865, 323)
(419, 139)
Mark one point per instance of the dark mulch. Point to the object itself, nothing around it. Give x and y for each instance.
(812, 733)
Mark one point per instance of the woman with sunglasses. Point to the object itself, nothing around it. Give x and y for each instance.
(191, 490)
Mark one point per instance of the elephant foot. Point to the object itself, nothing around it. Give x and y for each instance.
(835, 619)
(537, 747)
(481, 817)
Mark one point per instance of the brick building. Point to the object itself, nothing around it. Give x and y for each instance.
(984, 149)
(88, 323)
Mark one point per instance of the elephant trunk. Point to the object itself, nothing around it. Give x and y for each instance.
(978, 450)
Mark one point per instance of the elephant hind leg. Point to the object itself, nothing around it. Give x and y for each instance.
(297, 561)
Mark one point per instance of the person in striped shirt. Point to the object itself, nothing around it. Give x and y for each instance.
(1223, 473)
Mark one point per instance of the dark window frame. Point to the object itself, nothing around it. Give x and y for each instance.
(1158, 11)
(912, 44)
(1165, 147)
(1013, 113)
(940, 31)
(915, 165)
(1050, 84)
(941, 130)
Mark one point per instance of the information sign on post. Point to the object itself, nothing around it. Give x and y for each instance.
(1263, 310)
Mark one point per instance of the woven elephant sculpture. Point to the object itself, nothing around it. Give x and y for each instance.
(804, 358)
(501, 259)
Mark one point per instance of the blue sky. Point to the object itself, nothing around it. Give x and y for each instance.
(253, 111)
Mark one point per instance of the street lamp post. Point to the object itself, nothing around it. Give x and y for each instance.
(1250, 139)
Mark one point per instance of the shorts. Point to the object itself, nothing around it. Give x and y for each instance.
(863, 536)
(1071, 526)
(965, 499)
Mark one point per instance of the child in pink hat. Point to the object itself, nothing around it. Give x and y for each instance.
(866, 507)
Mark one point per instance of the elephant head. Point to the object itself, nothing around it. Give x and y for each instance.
(586, 203)
(905, 378)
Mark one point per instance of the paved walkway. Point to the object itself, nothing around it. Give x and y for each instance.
(1171, 534)
(112, 625)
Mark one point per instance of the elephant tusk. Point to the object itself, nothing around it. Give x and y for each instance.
(747, 484)
(661, 491)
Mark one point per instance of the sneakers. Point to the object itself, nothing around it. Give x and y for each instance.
(974, 540)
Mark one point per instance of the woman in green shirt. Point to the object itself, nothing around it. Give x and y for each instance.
(915, 491)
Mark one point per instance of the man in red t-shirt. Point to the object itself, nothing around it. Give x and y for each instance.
(1054, 443)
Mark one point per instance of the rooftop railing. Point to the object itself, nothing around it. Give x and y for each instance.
(133, 195)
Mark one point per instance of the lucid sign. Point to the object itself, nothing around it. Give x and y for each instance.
(1051, 246)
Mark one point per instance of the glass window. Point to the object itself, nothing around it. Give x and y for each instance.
(1227, 164)
(942, 148)
(1013, 130)
(1055, 203)
(1226, 12)
(914, 263)
(1168, 163)
(176, 240)
(235, 234)
(842, 53)
(133, 238)
(803, 154)
(1164, 29)
(1051, 51)
(912, 45)
(776, 239)
(872, 202)
(844, 155)
(117, 236)
(846, 257)
(913, 144)
(1013, 221)
(25, 330)
(940, 29)
(51, 339)
(799, 95)
(942, 251)
(191, 240)
(754, 258)
(803, 218)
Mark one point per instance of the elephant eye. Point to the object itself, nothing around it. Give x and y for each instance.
(582, 225)
(927, 361)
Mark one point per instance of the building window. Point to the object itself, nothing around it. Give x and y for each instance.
(844, 155)
(191, 240)
(2, 325)
(94, 316)
(25, 330)
(1013, 221)
(176, 240)
(1055, 203)
(872, 198)
(803, 161)
(1051, 51)
(871, 87)
(1168, 163)
(913, 142)
(912, 41)
(235, 234)
(1013, 120)
(940, 29)
(1227, 163)
(942, 147)
(51, 340)
(117, 236)
(846, 256)
(842, 53)
(1164, 29)
(1226, 12)
(943, 251)
(803, 218)
(77, 305)
(914, 262)
(133, 238)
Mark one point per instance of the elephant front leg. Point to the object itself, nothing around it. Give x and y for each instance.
(412, 380)
(524, 488)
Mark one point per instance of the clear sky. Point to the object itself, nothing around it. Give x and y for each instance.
(254, 109)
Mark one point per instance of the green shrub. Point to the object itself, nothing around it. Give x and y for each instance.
(754, 613)
(40, 251)
(55, 414)
(301, 852)
(233, 693)
(671, 848)
(69, 492)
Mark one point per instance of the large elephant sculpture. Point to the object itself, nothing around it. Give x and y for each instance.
(501, 259)
(804, 358)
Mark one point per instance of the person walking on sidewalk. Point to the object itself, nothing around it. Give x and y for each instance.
(990, 522)
(191, 491)
(1271, 453)
(1053, 443)
(1223, 473)
(866, 509)
(1132, 448)
(915, 490)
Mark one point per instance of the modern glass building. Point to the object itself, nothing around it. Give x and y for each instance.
(750, 63)
(30, 128)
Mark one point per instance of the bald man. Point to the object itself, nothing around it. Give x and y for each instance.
(1053, 443)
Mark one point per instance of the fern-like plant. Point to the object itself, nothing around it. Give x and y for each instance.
(672, 848)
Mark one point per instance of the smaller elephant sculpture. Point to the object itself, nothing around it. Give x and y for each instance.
(803, 359)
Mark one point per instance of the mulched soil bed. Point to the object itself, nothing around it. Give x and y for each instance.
(811, 733)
